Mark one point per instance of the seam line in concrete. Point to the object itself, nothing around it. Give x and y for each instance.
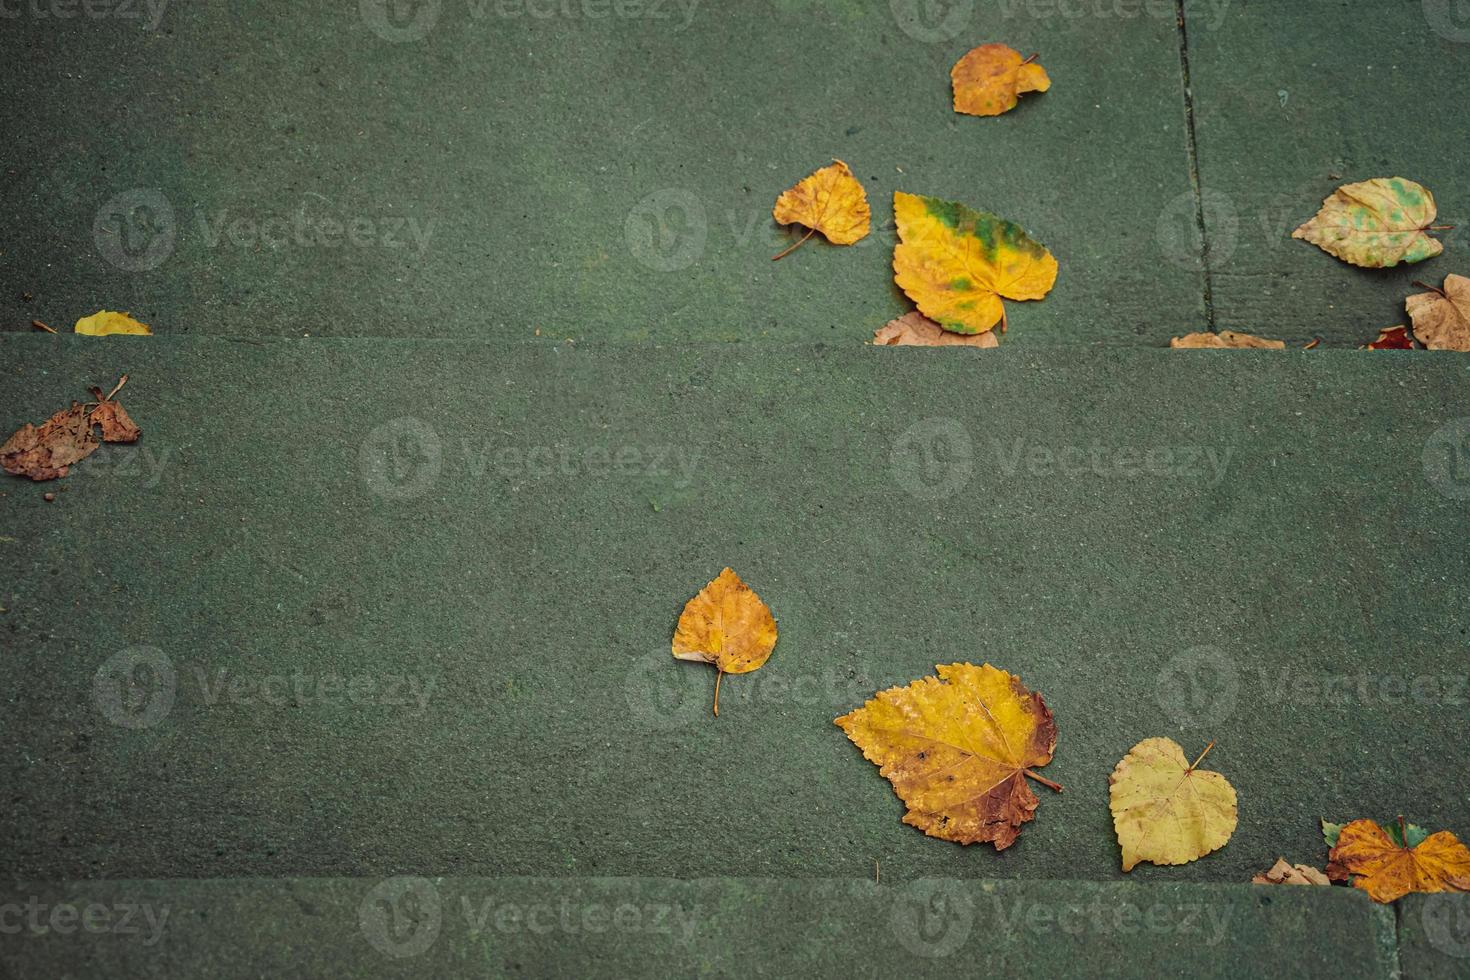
(1192, 148)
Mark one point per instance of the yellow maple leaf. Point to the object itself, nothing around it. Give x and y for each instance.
(956, 263)
(830, 201)
(1376, 223)
(958, 749)
(1389, 869)
(726, 625)
(989, 79)
(105, 322)
(1166, 810)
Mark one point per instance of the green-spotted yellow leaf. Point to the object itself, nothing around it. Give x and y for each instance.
(1376, 223)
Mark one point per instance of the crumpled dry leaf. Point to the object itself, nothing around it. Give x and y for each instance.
(47, 451)
(1441, 317)
(989, 79)
(1225, 340)
(727, 625)
(1284, 873)
(1165, 810)
(831, 201)
(958, 749)
(105, 322)
(1376, 223)
(956, 263)
(1390, 863)
(1392, 338)
(914, 329)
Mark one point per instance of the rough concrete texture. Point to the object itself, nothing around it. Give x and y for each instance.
(615, 927)
(488, 547)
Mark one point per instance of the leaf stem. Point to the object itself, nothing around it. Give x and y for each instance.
(793, 247)
(718, 677)
(41, 326)
(1201, 758)
(1043, 780)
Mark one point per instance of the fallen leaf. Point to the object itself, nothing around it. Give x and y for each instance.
(47, 451)
(914, 329)
(1283, 873)
(1376, 223)
(989, 79)
(1390, 863)
(958, 750)
(830, 201)
(1225, 340)
(1441, 317)
(956, 263)
(1166, 810)
(105, 322)
(1392, 338)
(726, 625)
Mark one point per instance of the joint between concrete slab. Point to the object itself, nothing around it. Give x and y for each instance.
(1192, 149)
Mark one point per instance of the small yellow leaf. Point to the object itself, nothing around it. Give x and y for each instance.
(914, 329)
(1165, 810)
(830, 201)
(726, 625)
(956, 263)
(958, 749)
(1376, 223)
(1225, 339)
(1388, 869)
(105, 322)
(988, 80)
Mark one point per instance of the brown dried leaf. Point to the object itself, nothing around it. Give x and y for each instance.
(1282, 873)
(44, 453)
(1226, 339)
(1392, 338)
(1441, 317)
(914, 329)
(117, 426)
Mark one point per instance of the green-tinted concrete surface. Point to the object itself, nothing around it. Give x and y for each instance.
(1293, 100)
(370, 607)
(617, 927)
(592, 169)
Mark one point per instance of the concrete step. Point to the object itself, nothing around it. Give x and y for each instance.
(615, 927)
(355, 607)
